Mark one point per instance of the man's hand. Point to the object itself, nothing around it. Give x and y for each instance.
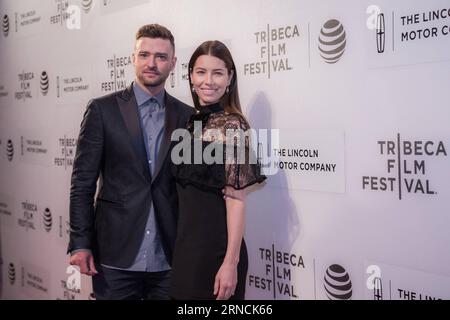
(85, 261)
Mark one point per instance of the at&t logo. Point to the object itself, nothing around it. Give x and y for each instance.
(11, 273)
(337, 283)
(48, 221)
(5, 25)
(332, 41)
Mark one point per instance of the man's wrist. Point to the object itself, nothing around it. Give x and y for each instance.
(80, 250)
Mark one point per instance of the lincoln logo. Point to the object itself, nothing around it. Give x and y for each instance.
(5, 25)
(44, 83)
(377, 289)
(332, 41)
(337, 283)
(381, 33)
(172, 79)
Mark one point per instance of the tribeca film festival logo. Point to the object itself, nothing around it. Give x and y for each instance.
(337, 283)
(273, 52)
(69, 15)
(25, 81)
(29, 211)
(5, 25)
(72, 285)
(406, 166)
(11, 273)
(67, 152)
(62, 14)
(116, 67)
(278, 273)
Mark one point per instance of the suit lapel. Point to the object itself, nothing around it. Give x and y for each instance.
(170, 124)
(129, 110)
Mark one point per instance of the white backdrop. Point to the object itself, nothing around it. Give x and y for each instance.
(359, 208)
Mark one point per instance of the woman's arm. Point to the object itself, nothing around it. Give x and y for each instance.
(226, 277)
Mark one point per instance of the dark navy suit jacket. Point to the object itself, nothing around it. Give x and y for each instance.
(111, 147)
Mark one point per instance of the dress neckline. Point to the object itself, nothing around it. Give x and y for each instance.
(211, 108)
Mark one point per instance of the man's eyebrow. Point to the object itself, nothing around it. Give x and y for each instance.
(156, 53)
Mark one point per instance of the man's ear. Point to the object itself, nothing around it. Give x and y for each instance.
(174, 63)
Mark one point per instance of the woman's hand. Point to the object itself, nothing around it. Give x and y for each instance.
(225, 282)
(226, 278)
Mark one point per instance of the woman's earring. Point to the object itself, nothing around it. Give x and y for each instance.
(193, 89)
(228, 89)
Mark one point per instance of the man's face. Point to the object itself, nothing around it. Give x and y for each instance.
(153, 61)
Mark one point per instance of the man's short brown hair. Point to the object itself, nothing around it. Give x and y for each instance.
(155, 31)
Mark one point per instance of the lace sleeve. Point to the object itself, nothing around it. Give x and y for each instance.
(242, 168)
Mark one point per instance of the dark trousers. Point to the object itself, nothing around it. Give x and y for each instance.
(112, 284)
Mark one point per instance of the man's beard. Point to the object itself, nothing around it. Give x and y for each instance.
(152, 83)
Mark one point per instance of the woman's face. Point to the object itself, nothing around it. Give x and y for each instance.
(210, 79)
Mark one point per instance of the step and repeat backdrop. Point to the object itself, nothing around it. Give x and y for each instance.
(356, 205)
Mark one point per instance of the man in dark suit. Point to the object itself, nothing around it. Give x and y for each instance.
(125, 238)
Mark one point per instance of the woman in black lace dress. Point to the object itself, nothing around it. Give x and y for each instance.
(210, 259)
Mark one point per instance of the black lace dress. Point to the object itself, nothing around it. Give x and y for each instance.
(202, 226)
